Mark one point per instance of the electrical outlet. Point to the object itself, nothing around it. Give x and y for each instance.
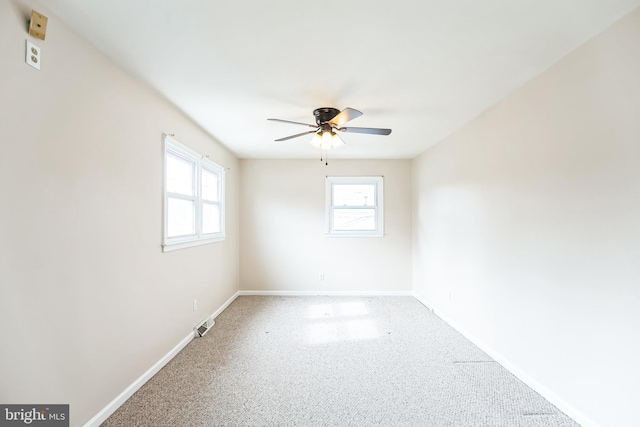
(195, 304)
(32, 56)
(321, 276)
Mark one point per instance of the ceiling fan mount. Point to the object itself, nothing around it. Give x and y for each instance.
(328, 122)
(324, 115)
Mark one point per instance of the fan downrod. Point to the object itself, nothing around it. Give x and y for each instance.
(324, 115)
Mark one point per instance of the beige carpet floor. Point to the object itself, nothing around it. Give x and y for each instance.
(334, 361)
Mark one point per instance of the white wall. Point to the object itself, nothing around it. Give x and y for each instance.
(527, 218)
(527, 228)
(88, 301)
(283, 246)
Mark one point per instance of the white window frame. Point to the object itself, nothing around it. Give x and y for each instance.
(376, 181)
(175, 148)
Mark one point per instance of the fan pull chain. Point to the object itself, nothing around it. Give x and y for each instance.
(324, 154)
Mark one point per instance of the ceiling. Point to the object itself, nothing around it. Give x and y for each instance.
(423, 68)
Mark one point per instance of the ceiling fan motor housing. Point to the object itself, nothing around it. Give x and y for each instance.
(323, 115)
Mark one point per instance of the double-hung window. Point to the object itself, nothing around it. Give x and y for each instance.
(354, 206)
(193, 198)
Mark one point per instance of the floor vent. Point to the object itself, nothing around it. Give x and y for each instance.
(203, 327)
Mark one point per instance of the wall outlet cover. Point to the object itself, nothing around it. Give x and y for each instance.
(32, 56)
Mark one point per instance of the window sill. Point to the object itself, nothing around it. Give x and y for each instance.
(175, 246)
(355, 234)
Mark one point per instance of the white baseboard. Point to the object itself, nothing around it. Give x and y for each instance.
(225, 305)
(106, 412)
(561, 404)
(558, 402)
(101, 416)
(327, 293)
(423, 301)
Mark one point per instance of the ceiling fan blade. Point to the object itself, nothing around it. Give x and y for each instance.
(372, 131)
(344, 116)
(295, 136)
(295, 123)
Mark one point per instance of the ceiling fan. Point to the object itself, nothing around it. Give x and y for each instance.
(328, 121)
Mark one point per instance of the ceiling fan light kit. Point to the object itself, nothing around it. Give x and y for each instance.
(326, 139)
(328, 121)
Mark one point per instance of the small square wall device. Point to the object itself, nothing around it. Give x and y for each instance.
(33, 55)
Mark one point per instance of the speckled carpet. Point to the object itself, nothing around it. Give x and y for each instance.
(334, 361)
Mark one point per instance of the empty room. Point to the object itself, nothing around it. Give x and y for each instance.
(338, 213)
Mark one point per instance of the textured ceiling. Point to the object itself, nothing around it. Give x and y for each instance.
(422, 68)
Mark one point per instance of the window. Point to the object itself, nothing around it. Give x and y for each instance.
(193, 198)
(354, 206)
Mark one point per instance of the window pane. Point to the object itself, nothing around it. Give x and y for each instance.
(210, 218)
(354, 195)
(354, 219)
(179, 175)
(180, 217)
(209, 186)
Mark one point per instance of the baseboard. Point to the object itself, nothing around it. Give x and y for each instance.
(561, 404)
(101, 416)
(106, 412)
(327, 293)
(225, 305)
(424, 301)
(558, 402)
